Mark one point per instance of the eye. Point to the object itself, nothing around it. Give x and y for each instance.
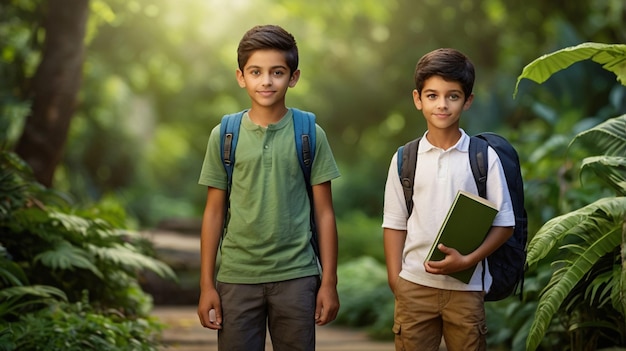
(454, 97)
(255, 72)
(279, 73)
(431, 96)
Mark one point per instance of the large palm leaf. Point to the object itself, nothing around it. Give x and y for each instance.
(600, 216)
(612, 57)
(611, 169)
(598, 227)
(607, 138)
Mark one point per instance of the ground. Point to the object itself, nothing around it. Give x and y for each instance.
(184, 333)
(174, 303)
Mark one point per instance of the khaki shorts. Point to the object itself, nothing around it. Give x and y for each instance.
(423, 315)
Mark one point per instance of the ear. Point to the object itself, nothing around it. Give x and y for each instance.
(240, 79)
(294, 78)
(468, 102)
(417, 100)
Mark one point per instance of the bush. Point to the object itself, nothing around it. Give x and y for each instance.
(69, 276)
(77, 326)
(366, 300)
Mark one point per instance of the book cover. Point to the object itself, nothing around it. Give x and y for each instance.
(464, 228)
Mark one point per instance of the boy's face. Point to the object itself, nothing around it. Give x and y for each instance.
(266, 78)
(442, 103)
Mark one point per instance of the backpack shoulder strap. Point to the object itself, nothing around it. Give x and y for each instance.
(229, 134)
(479, 163)
(407, 161)
(304, 130)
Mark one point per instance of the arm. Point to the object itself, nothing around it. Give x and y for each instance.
(327, 304)
(394, 246)
(455, 262)
(212, 225)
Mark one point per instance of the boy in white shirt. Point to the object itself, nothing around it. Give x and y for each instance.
(429, 303)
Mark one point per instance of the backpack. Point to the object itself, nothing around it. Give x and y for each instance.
(304, 130)
(508, 262)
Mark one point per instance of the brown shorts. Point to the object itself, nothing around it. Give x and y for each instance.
(423, 315)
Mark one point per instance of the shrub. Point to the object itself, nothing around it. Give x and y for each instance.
(69, 276)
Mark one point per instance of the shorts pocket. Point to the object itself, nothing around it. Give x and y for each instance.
(396, 328)
(482, 336)
(397, 331)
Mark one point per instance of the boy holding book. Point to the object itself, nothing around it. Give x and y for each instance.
(269, 276)
(430, 303)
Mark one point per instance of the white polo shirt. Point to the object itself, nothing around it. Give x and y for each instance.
(439, 175)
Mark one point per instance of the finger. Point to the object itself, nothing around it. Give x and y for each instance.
(216, 316)
(318, 311)
(443, 248)
(204, 318)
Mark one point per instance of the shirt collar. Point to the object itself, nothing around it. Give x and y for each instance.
(284, 121)
(462, 144)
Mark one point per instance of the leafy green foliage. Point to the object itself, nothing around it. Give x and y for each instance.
(61, 268)
(359, 235)
(587, 242)
(597, 232)
(77, 326)
(366, 300)
(16, 299)
(159, 74)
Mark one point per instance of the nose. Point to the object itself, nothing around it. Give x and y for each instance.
(442, 103)
(267, 79)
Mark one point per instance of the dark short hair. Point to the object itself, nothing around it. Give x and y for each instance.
(268, 37)
(449, 64)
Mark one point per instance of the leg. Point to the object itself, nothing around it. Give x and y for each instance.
(291, 310)
(465, 326)
(244, 314)
(417, 323)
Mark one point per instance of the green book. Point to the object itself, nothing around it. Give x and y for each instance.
(468, 220)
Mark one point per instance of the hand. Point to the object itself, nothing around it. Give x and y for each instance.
(327, 305)
(453, 262)
(210, 309)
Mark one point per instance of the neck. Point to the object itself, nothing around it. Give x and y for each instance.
(264, 116)
(443, 139)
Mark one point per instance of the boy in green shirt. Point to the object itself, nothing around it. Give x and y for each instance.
(269, 275)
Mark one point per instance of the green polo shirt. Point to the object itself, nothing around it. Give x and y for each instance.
(268, 236)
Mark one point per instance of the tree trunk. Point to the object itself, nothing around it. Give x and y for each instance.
(55, 87)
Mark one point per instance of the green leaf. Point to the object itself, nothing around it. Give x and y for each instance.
(594, 219)
(612, 57)
(127, 255)
(66, 256)
(608, 137)
(71, 222)
(618, 295)
(564, 280)
(11, 273)
(34, 290)
(13, 298)
(610, 169)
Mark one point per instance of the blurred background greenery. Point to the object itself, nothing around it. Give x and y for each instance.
(158, 75)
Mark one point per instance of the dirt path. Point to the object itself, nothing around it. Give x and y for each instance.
(184, 333)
